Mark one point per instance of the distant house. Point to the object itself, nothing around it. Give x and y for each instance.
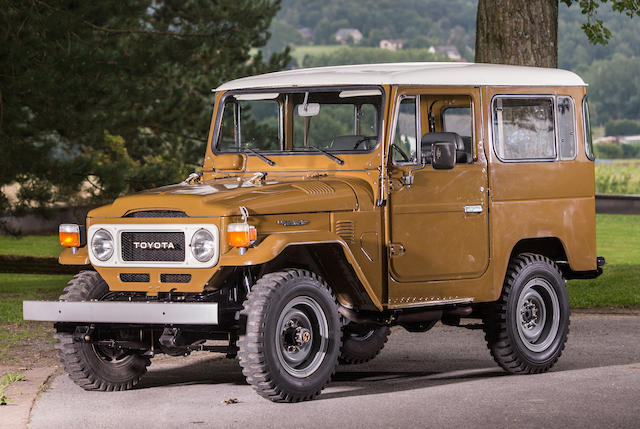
(344, 34)
(449, 50)
(391, 44)
(306, 33)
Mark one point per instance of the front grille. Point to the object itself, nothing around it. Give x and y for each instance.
(153, 246)
(157, 213)
(175, 278)
(134, 278)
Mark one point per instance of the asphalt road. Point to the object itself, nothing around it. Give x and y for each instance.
(443, 378)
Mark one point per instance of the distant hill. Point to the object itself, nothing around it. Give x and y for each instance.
(420, 24)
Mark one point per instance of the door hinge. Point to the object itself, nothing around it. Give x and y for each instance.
(396, 249)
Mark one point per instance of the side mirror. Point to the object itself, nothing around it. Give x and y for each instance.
(444, 155)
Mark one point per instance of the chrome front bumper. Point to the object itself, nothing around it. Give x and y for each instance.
(147, 313)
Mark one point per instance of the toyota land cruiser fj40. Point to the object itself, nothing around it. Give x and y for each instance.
(337, 202)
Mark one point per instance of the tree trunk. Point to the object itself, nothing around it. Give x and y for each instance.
(518, 32)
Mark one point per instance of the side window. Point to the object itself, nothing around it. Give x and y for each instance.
(404, 147)
(457, 120)
(523, 128)
(229, 139)
(566, 128)
(588, 138)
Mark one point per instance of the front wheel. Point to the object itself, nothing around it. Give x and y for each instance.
(90, 366)
(526, 330)
(293, 334)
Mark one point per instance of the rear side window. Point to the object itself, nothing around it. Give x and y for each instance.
(523, 128)
(566, 128)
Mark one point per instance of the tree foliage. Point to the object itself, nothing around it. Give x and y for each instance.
(594, 28)
(116, 96)
(614, 88)
(369, 55)
(622, 127)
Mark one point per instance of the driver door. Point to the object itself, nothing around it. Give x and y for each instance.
(438, 218)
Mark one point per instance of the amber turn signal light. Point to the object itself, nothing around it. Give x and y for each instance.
(69, 235)
(241, 234)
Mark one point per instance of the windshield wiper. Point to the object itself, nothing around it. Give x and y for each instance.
(333, 157)
(261, 156)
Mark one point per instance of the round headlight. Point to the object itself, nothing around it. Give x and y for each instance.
(102, 244)
(203, 246)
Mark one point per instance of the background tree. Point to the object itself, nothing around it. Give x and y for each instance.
(525, 32)
(115, 96)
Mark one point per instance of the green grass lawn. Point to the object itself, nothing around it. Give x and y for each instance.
(618, 239)
(17, 337)
(33, 245)
(14, 288)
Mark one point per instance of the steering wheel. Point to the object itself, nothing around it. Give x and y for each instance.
(364, 139)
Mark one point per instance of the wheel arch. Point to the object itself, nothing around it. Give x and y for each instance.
(329, 261)
(550, 247)
(324, 253)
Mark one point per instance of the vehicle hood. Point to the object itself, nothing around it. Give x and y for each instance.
(223, 197)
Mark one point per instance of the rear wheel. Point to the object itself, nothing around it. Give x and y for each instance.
(527, 328)
(361, 343)
(292, 341)
(90, 366)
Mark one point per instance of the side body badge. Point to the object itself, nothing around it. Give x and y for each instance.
(296, 222)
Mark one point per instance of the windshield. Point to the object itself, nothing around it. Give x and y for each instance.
(314, 121)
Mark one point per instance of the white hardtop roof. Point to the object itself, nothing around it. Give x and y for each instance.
(432, 73)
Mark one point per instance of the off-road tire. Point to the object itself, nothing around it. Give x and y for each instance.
(360, 346)
(532, 282)
(83, 361)
(286, 299)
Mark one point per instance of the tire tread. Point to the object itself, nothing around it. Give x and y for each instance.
(502, 349)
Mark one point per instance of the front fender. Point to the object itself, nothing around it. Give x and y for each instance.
(274, 244)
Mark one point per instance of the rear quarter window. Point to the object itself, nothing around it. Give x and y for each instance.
(523, 128)
(566, 128)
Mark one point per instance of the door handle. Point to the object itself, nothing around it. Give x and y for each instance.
(396, 249)
(473, 209)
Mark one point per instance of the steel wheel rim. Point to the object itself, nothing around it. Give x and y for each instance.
(538, 315)
(302, 334)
